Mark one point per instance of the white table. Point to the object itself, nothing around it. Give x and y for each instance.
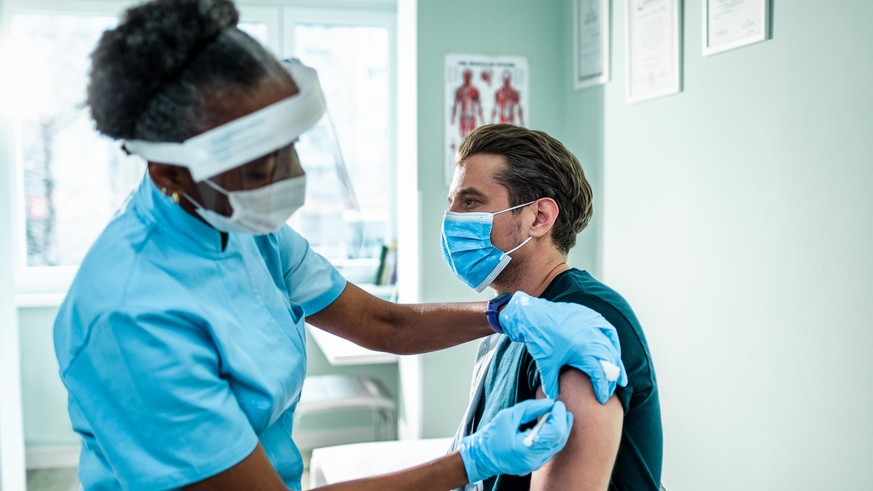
(342, 352)
(330, 465)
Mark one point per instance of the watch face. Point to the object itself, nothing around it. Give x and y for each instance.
(500, 298)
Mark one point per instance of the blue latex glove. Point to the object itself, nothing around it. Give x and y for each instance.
(499, 447)
(558, 334)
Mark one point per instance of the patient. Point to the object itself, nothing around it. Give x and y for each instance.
(617, 445)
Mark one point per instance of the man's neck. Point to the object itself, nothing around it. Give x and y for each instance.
(533, 275)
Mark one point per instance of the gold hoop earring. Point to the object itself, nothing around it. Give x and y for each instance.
(176, 198)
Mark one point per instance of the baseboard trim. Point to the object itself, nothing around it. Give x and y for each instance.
(52, 457)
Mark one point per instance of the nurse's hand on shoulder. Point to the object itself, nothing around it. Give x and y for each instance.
(558, 334)
(500, 448)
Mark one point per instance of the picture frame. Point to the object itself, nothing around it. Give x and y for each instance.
(591, 47)
(654, 49)
(734, 24)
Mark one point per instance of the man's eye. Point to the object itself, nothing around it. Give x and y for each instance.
(470, 202)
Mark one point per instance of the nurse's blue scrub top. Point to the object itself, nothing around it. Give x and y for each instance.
(179, 357)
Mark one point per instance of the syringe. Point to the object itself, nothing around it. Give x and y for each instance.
(534, 433)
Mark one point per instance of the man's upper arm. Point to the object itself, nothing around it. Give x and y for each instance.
(586, 462)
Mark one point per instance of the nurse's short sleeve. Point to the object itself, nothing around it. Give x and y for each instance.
(150, 389)
(312, 281)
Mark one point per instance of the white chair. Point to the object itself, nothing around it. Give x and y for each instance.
(324, 394)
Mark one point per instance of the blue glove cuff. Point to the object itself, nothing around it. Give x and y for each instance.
(468, 451)
(510, 316)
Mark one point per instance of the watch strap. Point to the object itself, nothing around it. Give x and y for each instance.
(493, 310)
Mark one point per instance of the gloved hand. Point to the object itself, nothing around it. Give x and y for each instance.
(499, 448)
(558, 334)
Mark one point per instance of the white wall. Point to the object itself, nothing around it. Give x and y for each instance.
(738, 223)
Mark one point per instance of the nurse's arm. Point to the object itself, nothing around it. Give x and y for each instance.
(397, 328)
(255, 473)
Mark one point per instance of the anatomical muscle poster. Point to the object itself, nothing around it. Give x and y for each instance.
(482, 90)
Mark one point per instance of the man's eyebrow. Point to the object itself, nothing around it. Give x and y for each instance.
(469, 192)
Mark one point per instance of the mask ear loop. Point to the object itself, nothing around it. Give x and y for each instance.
(518, 246)
(525, 240)
(216, 187)
(515, 207)
(209, 183)
(194, 201)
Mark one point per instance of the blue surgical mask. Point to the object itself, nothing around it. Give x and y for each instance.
(468, 250)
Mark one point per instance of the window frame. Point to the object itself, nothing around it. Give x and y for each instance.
(46, 286)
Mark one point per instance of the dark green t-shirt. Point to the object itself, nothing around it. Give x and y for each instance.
(513, 377)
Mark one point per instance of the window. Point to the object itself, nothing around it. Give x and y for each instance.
(70, 181)
(354, 65)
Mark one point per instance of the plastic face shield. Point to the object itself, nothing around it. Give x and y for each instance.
(262, 148)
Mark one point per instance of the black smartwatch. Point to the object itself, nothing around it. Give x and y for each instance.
(494, 308)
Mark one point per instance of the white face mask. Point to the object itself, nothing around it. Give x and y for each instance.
(258, 211)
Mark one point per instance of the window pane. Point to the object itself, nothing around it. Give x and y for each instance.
(353, 67)
(257, 30)
(72, 180)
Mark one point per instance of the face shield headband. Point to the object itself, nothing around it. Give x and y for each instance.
(303, 120)
(247, 138)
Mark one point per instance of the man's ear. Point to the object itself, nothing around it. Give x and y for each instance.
(546, 210)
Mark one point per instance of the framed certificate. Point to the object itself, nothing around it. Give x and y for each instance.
(654, 55)
(729, 24)
(590, 42)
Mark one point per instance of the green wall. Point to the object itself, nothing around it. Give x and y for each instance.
(539, 31)
(44, 398)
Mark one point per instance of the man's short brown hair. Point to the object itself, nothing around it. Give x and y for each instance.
(537, 166)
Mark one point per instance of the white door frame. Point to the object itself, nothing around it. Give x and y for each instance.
(12, 461)
(409, 207)
(12, 465)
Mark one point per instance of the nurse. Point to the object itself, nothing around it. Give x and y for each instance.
(181, 341)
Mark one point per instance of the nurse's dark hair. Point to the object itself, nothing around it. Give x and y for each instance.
(537, 166)
(153, 76)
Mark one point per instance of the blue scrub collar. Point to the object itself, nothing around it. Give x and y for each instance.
(153, 205)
